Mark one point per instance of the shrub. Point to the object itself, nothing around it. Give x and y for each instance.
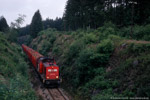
(52, 38)
(138, 33)
(115, 38)
(14, 83)
(75, 49)
(56, 50)
(45, 47)
(106, 30)
(143, 91)
(142, 32)
(90, 38)
(107, 94)
(12, 35)
(100, 87)
(87, 62)
(84, 69)
(47, 31)
(105, 47)
(17, 88)
(136, 49)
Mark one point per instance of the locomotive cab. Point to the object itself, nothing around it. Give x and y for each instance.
(50, 71)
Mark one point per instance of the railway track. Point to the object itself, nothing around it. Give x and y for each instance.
(47, 93)
(57, 94)
(54, 94)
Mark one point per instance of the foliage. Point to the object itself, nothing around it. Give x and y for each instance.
(90, 38)
(50, 23)
(105, 47)
(93, 14)
(56, 24)
(3, 24)
(45, 47)
(138, 33)
(46, 32)
(24, 30)
(24, 39)
(18, 22)
(56, 51)
(100, 87)
(36, 24)
(12, 35)
(136, 62)
(97, 64)
(88, 60)
(75, 49)
(14, 80)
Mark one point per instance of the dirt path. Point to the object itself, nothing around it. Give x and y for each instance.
(135, 41)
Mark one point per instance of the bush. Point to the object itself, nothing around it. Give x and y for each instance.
(139, 32)
(106, 30)
(100, 87)
(143, 91)
(137, 49)
(90, 38)
(89, 60)
(52, 38)
(17, 88)
(45, 47)
(86, 54)
(107, 94)
(12, 35)
(56, 50)
(105, 47)
(142, 32)
(84, 67)
(75, 49)
(116, 39)
(14, 83)
(47, 31)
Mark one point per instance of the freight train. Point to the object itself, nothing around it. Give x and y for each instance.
(46, 67)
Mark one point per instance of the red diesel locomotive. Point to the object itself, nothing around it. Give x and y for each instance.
(46, 67)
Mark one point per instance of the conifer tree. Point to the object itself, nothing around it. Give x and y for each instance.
(3, 24)
(36, 24)
(93, 13)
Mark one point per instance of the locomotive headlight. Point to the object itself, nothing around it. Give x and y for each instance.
(47, 77)
(49, 70)
(56, 76)
(55, 70)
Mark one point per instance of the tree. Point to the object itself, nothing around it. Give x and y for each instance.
(84, 14)
(24, 30)
(18, 22)
(3, 24)
(36, 24)
(50, 23)
(12, 34)
(93, 13)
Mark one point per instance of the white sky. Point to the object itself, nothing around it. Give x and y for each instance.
(48, 8)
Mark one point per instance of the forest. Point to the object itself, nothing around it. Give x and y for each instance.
(93, 14)
(102, 47)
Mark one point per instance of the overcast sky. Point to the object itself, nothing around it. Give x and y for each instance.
(48, 8)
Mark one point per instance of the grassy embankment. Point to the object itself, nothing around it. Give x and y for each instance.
(14, 79)
(100, 64)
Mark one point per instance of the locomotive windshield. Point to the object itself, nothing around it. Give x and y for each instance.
(46, 59)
